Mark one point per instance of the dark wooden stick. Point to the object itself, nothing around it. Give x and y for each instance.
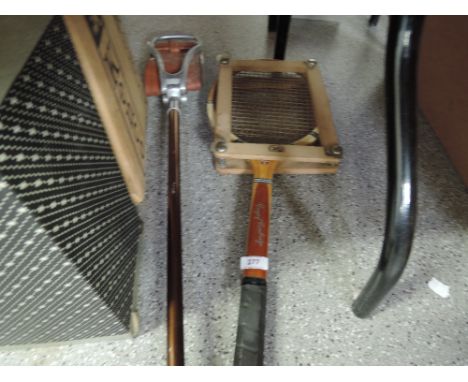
(175, 330)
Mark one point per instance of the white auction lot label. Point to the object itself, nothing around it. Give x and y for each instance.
(254, 262)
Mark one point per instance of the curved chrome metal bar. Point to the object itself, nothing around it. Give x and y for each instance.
(402, 52)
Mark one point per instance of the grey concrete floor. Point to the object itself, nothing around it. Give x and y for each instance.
(326, 230)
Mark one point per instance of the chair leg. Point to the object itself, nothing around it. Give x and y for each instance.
(272, 23)
(373, 20)
(401, 60)
(282, 36)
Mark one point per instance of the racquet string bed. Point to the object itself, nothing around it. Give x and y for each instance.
(271, 107)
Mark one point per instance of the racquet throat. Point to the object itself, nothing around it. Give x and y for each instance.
(259, 218)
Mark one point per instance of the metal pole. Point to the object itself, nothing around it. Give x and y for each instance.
(175, 330)
(402, 54)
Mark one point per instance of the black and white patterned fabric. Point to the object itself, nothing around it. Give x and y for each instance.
(68, 230)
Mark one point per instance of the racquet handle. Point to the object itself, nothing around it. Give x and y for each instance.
(251, 326)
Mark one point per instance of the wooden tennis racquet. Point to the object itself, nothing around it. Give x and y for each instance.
(260, 110)
(272, 108)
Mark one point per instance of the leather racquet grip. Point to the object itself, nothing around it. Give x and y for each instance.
(251, 327)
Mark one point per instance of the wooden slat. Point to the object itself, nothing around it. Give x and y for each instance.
(133, 82)
(308, 154)
(224, 102)
(240, 167)
(114, 88)
(269, 66)
(321, 105)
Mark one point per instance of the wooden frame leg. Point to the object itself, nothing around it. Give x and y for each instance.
(402, 52)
